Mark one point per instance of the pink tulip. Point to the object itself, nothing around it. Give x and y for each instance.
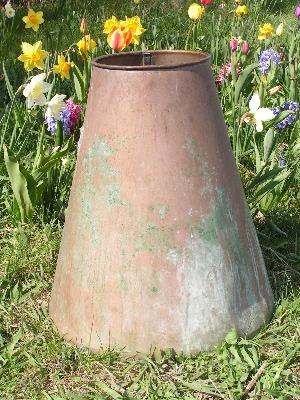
(233, 43)
(245, 47)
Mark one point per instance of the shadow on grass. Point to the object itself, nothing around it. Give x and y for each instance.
(279, 236)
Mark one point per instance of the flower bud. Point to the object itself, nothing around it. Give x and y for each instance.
(279, 29)
(233, 43)
(245, 48)
(274, 90)
(83, 25)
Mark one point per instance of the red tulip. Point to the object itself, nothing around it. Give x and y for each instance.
(206, 2)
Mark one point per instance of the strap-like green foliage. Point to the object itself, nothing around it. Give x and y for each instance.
(242, 79)
(19, 185)
(28, 187)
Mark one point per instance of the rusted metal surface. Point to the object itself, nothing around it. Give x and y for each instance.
(158, 247)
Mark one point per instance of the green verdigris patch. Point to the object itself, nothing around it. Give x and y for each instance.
(220, 230)
(96, 164)
(154, 238)
(199, 167)
(100, 183)
(161, 209)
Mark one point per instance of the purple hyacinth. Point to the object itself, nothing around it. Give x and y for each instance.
(290, 119)
(281, 159)
(266, 58)
(297, 12)
(51, 124)
(65, 118)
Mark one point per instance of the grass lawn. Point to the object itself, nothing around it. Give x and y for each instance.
(35, 362)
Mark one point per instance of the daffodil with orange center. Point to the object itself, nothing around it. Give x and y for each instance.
(63, 67)
(86, 45)
(135, 26)
(33, 56)
(33, 19)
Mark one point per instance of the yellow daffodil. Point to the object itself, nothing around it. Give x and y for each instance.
(122, 33)
(86, 45)
(33, 19)
(134, 25)
(241, 11)
(33, 56)
(195, 11)
(265, 31)
(63, 67)
(111, 24)
(279, 30)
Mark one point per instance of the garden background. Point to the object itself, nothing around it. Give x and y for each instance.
(36, 172)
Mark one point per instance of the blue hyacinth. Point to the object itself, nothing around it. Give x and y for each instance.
(290, 119)
(266, 58)
(65, 117)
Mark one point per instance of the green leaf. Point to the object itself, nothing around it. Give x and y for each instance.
(16, 337)
(106, 389)
(242, 79)
(247, 357)
(202, 387)
(268, 144)
(51, 160)
(258, 161)
(231, 337)
(12, 96)
(78, 83)
(59, 135)
(19, 185)
(264, 175)
(270, 185)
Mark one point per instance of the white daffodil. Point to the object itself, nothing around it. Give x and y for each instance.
(9, 11)
(55, 106)
(35, 89)
(65, 162)
(258, 115)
